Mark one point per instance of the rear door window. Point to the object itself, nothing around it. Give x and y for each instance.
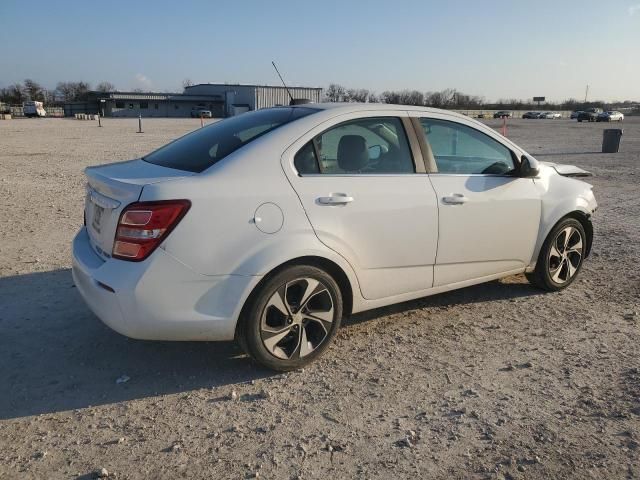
(199, 150)
(376, 145)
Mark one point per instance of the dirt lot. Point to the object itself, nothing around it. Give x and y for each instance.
(494, 381)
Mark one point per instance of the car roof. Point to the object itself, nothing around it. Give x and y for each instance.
(349, 107)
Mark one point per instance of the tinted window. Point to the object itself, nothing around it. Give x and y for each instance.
(202, 148)
(465, 150)
(367, 145)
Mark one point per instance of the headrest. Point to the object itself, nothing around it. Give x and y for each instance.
(352, 153)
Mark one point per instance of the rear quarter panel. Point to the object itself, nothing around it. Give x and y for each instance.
(219, 236)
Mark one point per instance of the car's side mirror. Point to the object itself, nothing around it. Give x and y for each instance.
(529, 167)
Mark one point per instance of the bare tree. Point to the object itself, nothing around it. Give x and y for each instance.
(413, 97)
(335, 93)
(73, 91)
(105, 87)
(13, 94)
(390, 97)
(33, 90)
(360, 95)
(187, 83)
(17, 93)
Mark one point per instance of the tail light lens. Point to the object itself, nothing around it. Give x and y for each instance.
(144, 225)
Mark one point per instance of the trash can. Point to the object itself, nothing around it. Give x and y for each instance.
(611, 140)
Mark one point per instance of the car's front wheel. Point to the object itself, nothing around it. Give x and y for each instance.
(561, 256)
(293, 317)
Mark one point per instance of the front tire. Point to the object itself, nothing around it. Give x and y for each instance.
(561, 256)
(292, 319)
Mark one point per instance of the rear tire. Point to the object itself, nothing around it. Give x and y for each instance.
(292, 319)
(561, 256)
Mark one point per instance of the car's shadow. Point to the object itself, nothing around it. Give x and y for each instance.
(55, 355)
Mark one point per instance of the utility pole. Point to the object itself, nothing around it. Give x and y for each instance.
(586, 93)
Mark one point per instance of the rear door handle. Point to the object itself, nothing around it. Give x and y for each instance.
(455, 199)
(335, 199)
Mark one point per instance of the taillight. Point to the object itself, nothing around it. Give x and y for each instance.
(144, 225)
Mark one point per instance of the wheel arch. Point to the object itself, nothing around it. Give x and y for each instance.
(585, 221)
(581, 216)
(329, 266)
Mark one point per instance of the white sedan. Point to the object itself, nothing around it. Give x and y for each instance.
(610, 116)
(550, 115)
(271, 226)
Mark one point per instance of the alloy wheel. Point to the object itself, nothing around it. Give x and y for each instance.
(565, 255)
(297, 318)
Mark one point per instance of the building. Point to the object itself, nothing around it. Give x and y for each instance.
(241, 98)
(151, 104)
(223, 100)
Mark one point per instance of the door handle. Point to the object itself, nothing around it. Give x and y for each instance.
(335, 199)
(455, 199)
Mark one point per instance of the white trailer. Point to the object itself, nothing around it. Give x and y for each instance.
(33, 109)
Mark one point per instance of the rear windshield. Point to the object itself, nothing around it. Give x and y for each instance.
(198, 150)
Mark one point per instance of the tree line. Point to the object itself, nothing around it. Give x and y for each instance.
(451, 98)
(448, 98)
(21, 92)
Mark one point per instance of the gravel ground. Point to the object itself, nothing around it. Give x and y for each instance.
(494, 381)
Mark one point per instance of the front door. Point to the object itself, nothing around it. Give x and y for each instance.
(358, 184)
(489, 217)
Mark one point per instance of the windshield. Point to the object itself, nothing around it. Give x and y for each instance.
(198, 150)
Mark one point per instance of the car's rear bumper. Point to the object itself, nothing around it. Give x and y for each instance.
(159, 298)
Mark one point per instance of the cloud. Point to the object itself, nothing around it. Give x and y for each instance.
(633, 9)
(143, 81)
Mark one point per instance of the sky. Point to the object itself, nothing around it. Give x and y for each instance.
(495, 49)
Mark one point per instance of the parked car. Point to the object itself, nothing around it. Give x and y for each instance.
(34, 109)
(481, 115)
(575, 114)
(502, 114)
(611, 116)
(550, 115)
(271, 226)
(589, 115)
(201, 112)
(531, 115)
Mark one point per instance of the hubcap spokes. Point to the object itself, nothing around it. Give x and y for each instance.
(565, 255)
(297, 318)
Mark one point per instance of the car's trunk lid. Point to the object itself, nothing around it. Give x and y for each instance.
(110, 188)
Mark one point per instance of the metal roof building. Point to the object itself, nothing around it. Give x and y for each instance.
(223, 100)
(239, 98)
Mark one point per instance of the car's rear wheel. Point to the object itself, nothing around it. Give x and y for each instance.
(561, 256)
(292, 319)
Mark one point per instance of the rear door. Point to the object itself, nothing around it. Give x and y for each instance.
(369, 200)
(489, 217)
